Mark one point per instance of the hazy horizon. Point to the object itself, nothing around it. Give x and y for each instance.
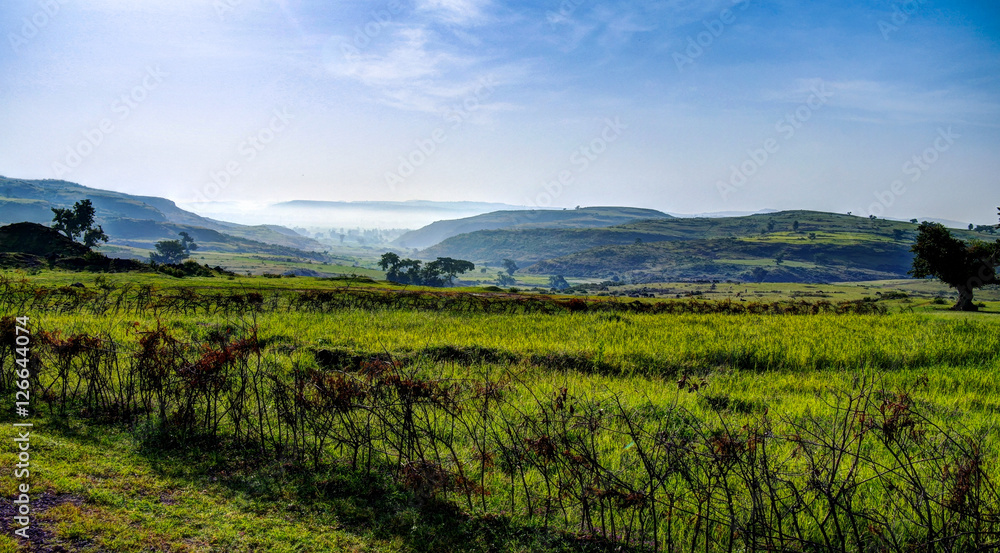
(890, 107)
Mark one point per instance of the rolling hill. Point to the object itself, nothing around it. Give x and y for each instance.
(586, 217)
(140, 221)
(800, 246)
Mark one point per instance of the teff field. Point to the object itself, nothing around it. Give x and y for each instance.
(302, 414)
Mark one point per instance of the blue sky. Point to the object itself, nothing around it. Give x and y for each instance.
(884, 107)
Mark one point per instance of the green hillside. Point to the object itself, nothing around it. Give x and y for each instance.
(792, 246)
(134, 220)
(585, 217)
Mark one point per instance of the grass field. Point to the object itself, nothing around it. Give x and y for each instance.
(283, 426)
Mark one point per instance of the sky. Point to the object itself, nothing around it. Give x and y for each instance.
(887, 108)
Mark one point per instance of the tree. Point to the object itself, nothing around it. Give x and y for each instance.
(389, 260)
(504, 279)
(758, 274)
(509, 266)
(914, 221)
(188, 242)
(402, 271)
(439, 272)
(429, 275)
(451, 267)
(94, 235)
(168, 251)
(79, 220)
(408, 272)
(558, 282)
(962, 266)
(395, 268)
(795, 226)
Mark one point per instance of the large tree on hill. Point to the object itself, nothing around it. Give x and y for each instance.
(962, 266)
(79, 220)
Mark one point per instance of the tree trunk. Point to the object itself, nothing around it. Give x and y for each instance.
(965, 300)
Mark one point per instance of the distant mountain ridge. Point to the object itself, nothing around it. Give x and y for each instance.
(141, 220)
(389, 205)
(584, 217)
(323, 214)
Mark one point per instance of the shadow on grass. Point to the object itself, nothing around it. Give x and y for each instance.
(364, 504)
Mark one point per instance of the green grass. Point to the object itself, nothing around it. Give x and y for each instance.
(113, 496)
(127, 488)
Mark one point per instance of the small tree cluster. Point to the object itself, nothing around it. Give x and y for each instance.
(440, 272)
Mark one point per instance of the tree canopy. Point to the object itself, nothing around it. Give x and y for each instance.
(962, 266)
(510, 266)
(169, 251)
(77, 221)
(558, 282)
(440, 272)
(187, 242)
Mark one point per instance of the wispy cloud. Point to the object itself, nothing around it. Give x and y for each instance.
(459, 12)
(886, 102)
(413, 70)
(406, 57)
